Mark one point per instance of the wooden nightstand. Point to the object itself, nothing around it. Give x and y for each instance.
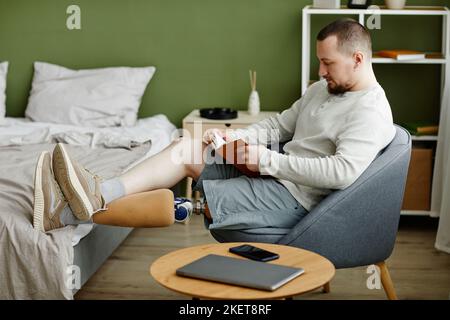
(243, 120)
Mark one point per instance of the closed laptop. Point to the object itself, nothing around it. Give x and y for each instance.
(241, 272)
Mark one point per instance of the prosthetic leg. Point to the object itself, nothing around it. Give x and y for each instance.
(139, 210)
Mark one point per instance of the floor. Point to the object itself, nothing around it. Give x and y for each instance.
(417, 269)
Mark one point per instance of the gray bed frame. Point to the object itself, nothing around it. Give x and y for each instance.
(93, 250)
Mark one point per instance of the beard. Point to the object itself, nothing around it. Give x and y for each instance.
(337, 89)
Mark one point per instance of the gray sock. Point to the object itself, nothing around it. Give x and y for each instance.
(112, 189)
(67, 217)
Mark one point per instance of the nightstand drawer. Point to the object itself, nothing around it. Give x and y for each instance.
(205, 126)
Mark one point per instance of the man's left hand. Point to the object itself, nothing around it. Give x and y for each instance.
(251, 155)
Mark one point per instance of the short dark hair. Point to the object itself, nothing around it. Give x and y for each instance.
(351, 36)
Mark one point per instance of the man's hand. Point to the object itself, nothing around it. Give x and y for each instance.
(250, 155)
(209, 134)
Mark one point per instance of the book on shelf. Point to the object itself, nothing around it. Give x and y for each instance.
(401, 55)
(421, 128)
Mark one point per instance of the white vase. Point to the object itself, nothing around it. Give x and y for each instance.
(395, 4)
(253, 103)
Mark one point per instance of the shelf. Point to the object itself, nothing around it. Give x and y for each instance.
(421, 61)
(416, 213)
(408, 10)
(424, 138)
(431, 58)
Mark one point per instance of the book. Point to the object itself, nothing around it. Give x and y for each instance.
(421, 128)
(241, 272)
(228, 151)
(401, 54)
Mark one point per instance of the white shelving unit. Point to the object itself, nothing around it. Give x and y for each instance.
(362, 13)
(442, 58)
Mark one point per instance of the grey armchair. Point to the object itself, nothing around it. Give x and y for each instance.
(356, 226)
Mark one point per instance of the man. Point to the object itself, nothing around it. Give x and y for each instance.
(334, 131)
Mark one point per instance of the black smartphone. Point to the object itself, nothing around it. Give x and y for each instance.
(254, 253)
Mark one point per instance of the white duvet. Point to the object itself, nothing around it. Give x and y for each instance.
(156, 130)
(21, 131)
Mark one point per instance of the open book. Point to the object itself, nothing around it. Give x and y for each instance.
(228, 151)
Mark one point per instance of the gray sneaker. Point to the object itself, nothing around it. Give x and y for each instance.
(49, 201)
(80, 187)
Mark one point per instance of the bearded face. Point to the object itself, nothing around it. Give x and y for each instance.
(336, 68)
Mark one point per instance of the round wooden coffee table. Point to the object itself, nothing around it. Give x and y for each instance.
(318, 272)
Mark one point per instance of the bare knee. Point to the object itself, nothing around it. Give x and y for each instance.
(191, 152)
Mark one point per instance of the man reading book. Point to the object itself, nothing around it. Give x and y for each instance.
(332, 134)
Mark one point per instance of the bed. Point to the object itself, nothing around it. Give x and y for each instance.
(34, 265)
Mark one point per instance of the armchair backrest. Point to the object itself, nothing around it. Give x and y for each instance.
(358, 226)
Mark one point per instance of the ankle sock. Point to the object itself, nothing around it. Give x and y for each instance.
(112, 189)
(67, 217)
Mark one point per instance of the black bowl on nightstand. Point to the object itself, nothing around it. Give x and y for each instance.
(218, 113)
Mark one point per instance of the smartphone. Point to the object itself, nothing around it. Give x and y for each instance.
(254, 253)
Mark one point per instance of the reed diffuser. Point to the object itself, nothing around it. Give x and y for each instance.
(253, 100)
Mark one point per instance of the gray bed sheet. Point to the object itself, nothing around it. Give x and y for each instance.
(36, 265)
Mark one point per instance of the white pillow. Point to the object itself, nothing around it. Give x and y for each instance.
(3, 73)
(103, 97)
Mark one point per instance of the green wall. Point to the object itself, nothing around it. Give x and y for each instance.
(203, 50)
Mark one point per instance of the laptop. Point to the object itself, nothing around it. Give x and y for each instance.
(246, 273)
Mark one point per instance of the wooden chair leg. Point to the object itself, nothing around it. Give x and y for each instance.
(326, 288)
(387, 281)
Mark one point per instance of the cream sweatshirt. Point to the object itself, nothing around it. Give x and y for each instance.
(333, 139)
